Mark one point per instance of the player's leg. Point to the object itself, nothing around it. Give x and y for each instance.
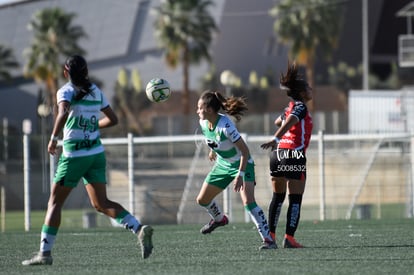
(296, 189)
(95, 184)
(64, 183)
(205, 199)
(51, 225)
(216, 181)
(256, 214)
(53, 215)
(99, 200)
(275, 207)
(277, 167)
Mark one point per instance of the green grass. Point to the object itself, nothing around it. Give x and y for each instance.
(70, 219)
(332, 247)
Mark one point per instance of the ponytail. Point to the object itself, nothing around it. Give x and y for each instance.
(234, 106)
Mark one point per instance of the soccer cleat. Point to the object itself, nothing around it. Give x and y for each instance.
(145, 240)
(268, 244)
(208, 228)
(39, 259)
(290, 242)
(273, 235)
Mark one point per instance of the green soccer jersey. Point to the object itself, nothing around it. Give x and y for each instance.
(81, 136)
(221, 140)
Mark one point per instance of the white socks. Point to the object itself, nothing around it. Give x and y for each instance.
(46, 241)
(214, 211)
(259, 219)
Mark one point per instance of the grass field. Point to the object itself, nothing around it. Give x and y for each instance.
(332, 247)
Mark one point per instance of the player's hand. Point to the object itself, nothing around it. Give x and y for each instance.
(212, 155)
(238, 184)
(51, 147)
(271, 144)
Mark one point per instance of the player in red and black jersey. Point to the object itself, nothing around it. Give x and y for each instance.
(297, 136)
(288, 158)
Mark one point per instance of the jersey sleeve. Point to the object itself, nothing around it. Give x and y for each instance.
(64, 94)
(104, 100)
(299, 110)
(231, 131)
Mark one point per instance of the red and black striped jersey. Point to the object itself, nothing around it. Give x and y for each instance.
(298, 136)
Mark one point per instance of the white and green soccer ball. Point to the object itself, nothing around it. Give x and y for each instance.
(158, 90)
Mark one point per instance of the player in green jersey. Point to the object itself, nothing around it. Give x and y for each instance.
(233, 163)
(80, 105)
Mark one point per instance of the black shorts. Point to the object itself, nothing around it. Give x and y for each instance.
(287, 163)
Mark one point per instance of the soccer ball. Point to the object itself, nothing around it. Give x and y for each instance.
(158, 90)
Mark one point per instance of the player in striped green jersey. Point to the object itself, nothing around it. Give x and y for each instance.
(233, 163)
(80, 104)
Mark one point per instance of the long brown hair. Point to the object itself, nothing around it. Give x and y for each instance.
(234, 106)
(293, 82)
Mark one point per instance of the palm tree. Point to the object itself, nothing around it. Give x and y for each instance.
(184, 30)
(54, 38)
(308, 25)
(129, 100)
(7, 62)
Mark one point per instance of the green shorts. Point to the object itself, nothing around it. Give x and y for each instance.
(71, 170)
(222, 176)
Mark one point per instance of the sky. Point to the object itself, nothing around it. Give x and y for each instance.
(8, 1)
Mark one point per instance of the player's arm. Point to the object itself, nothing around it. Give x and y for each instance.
(110, 118)
(290, 121)
(61, 117)
(279, 121)
(245, 154)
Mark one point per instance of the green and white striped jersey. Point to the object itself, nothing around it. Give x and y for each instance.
(81, 136)
(221, 140)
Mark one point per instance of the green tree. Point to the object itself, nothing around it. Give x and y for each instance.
(129, 99)
(7, 62)
(307, 26)
(54, 39)
(184, 30)
(345, 77)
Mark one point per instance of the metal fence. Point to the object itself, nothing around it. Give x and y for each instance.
(158, 178)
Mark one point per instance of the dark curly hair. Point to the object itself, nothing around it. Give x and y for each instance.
(293, 82)
(234, 106)
(77, 68)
